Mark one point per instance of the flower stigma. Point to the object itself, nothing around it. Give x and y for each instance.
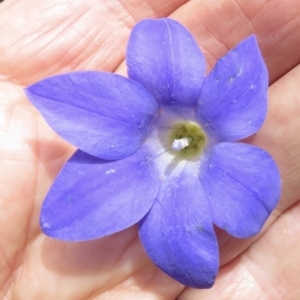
(187, 140)
(181, 143)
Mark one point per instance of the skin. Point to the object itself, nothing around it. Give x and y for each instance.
(42, 38)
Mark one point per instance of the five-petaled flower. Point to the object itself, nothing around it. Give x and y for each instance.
(162, 149)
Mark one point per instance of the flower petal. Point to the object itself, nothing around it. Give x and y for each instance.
(243, 185)
(92, 198)
(233, 101)
(178, 234)
(103, 114)
(165, 58)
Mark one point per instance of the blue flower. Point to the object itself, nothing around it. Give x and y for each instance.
(162, 149)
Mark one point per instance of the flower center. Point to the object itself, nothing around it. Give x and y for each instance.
(187, 140)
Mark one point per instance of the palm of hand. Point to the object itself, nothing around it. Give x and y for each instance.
(88, 35)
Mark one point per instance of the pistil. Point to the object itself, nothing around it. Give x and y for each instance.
(180, 144)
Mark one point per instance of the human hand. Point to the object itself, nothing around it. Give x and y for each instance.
(40, 39)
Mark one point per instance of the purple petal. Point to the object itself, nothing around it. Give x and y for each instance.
(243, 186)
(103, 114)
(92, 198)
(233, 100)
(165, 58)
(177, 233)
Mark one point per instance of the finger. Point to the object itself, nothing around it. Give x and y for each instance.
(47, 47)
(56, 36)
(115, 266)
(28, 164)
(219, 25)
(269, 269)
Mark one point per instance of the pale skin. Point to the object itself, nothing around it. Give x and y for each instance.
(42, 38)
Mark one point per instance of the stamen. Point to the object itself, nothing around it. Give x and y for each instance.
(180, 144)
